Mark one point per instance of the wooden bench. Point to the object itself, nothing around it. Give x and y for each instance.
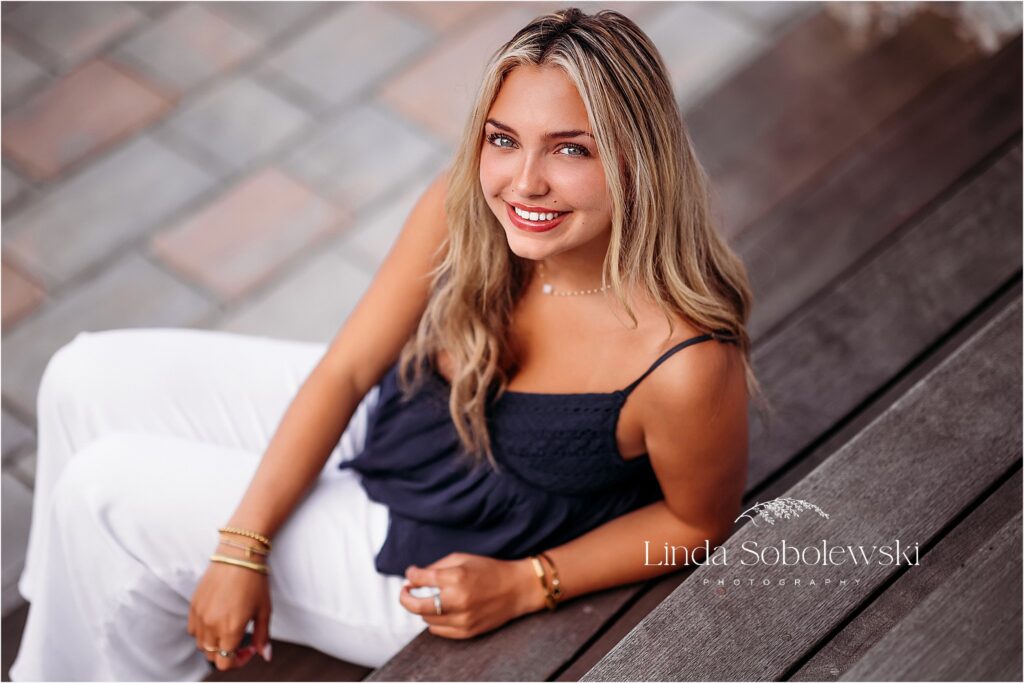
(839, 326)
(941, 450)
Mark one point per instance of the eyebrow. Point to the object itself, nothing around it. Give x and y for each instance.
(562, 134)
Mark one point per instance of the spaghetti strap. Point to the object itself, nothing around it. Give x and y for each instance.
(720, 335)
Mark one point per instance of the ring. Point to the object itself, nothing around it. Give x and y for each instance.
(437, 604)
(222, 653)
(211, 649)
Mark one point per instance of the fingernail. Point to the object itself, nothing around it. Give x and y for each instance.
(267, 652)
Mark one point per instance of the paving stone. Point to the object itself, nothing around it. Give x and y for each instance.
(20, 74)
(770, 17)
(17, 436)
(348, 51)
(265, 19)
(73, 31)
(130, 293)
(241, 240)
(310, 305)
(361, 157)
(23, 468)
(187, 46)
(438, 89)
(21, 296)
(91, 108)
(113, 201)
(17, 518)
(700, 47)
(440, 16)
(237, 122)
(13, 186)
(375, 232)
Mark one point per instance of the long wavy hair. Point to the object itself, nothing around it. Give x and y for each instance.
(663, 241)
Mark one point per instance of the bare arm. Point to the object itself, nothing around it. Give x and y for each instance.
(367, 344)
(696, 437)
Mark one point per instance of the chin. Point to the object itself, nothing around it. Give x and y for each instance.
(526, 248)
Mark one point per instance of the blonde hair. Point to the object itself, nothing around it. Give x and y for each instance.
(662, 237)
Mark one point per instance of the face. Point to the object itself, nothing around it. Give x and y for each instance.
(538, 153)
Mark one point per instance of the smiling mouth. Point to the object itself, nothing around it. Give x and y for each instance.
(535, 225)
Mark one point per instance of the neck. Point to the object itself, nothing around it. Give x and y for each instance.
(578, 269)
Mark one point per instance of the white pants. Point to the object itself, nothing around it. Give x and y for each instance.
(147, 441)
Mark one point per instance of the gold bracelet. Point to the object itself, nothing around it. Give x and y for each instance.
(538, 568)
(556, 583)
(249, 550)
(261, 568)
(245, 532)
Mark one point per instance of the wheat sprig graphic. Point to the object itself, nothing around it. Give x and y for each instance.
(778, 509)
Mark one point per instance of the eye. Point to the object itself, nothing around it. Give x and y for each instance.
(498, 136)
(581, 151)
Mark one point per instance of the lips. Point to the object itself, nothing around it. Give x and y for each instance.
(533, 226)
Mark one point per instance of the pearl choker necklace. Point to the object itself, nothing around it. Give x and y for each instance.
(549, 289)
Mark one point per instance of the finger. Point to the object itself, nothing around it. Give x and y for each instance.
(452, 632)
(261, 631)
(228, 643)
(425, 606)
(202, 641)
(427, 577)
(414, 604)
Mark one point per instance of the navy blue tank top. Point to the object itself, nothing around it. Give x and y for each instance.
(561, 473)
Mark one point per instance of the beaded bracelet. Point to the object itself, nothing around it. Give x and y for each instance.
(245, 532)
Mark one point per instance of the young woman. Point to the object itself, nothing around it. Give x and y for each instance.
(549, 373)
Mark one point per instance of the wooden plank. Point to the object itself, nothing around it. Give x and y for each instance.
(903, 478)
(891, 176)
(953, 274)
(801, 105)
(986, 211)
(876, 320)
(963, 544)
(969, 629)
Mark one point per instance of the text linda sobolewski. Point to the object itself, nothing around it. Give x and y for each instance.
(781, 554)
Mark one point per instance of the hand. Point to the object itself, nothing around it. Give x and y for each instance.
(478, 594)
(224, 601)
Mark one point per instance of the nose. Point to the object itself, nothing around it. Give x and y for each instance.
(529, 181)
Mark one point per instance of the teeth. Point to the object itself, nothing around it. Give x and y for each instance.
(534, 216)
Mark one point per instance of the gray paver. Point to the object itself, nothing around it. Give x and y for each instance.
(20, 76)
(23, 468)
(130, 293)
(12, 184)
(309, 305)
(187, 46)
(16, 437)
(120, 197)
(72, 31)
(376, 231)
(700, 47)
(769, 16)
(362, 157)
(349, 51)
(237, 122)
(17, 516)
(267, 19)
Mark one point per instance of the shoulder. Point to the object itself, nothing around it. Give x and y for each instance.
(695, 383)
